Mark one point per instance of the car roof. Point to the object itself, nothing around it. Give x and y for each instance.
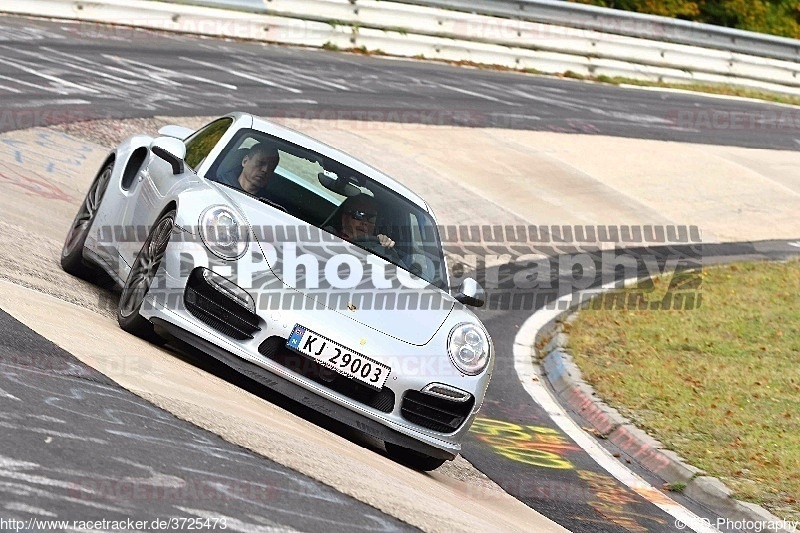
(301, 139)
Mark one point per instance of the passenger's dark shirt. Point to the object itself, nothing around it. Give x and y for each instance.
(232, 178)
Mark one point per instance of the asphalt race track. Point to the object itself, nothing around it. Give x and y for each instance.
(67, 428)
(53, 72)
(76, 71)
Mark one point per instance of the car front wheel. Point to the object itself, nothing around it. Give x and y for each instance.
(141, 277)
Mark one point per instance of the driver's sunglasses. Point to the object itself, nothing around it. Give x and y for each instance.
(362, 215)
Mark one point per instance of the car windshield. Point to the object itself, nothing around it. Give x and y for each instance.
(333, 197)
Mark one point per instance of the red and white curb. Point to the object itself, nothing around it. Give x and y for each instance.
(565, 377)
(532, 380)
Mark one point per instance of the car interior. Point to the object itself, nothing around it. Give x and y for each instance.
(312, 188)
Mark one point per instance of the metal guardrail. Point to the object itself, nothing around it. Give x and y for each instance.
(586, 17)
(613, 21)
(401, 28)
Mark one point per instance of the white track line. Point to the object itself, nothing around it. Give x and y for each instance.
(54, 79)
(532, 381)
(239, 74)
(4, 394)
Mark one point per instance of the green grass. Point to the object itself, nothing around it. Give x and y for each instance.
(727, 90)
(710, 88)
(720, 384)
(676, 487)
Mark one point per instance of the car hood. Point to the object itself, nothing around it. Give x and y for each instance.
(325, 269)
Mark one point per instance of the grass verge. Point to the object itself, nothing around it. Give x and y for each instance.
(720, 384)
(709, 88)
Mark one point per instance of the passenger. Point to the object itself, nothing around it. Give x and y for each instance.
(257, 168)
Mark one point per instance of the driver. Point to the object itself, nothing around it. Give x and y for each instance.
(357, 224)
(257, 168)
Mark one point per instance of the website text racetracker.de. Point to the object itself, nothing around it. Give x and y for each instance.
(128, 524)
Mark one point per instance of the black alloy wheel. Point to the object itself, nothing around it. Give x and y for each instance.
(72, 253)
(140, 279)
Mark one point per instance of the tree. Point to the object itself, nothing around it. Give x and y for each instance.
(687, 9)
(778, 17)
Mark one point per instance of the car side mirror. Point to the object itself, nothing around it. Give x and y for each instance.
(178, 132)
(172, 151)
(471, 293)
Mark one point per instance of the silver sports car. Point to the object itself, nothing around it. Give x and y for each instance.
(297, 265)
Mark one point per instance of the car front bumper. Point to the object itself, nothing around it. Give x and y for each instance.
(413, 367)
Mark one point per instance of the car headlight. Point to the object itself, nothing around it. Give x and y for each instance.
(468, 347)
(223, 233)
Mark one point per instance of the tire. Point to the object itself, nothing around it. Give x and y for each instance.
(141, 276)
(413, 459)
(72, 252)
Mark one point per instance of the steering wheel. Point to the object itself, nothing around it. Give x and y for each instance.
(371, 243)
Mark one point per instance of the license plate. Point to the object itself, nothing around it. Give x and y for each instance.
(338, 358)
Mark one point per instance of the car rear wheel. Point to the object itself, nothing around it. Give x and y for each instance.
(413, 459)
(72, 253)
(141, 277)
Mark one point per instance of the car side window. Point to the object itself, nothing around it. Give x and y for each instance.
(203, 141)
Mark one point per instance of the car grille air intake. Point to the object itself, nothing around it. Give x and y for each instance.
(214, 308)
(435, 413)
